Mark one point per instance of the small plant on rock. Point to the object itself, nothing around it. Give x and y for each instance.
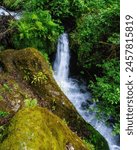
(40, 77)
(30, 102)
(26, 75)
(3, 114)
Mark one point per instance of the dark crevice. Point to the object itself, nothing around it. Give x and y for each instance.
(2, 67)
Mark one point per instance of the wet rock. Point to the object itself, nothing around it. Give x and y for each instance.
(69, 146)
(84, 105)
(89, 101)
(82, 91)
(111, 121)
(1, 69)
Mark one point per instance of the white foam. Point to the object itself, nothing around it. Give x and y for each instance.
(72, 90)
(7, 13)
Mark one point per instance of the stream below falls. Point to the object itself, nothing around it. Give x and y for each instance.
(77, 92)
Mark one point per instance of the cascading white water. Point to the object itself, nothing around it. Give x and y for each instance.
(5, 12)
(77, 92)
(61, 64)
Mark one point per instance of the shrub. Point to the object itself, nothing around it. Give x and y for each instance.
(106, 92)
(36, 29)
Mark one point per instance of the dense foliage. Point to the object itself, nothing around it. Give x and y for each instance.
(97, 33)
(106, 92)
(96, 40)
(36, 29)
(93, 26)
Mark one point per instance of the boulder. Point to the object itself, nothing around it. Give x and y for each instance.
(36, 128)
(25, 74)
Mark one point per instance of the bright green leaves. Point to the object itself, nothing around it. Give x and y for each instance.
(116, 128)
(97, 32)
(39, 25)
(34, 5)
(34, 17)
(4, 114)
(35, 29)
(60, 7)
(39, 78)
(114, 39)
(24, 28)
(30, 102)
(106, 91)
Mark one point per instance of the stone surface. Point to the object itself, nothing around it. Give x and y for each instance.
(27, 75)
(36, 128)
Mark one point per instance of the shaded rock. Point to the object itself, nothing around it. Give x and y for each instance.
(82, 91)
(1, 68)
(29, 75)
(89, 101)
(84, 105)
(37, 128)
(5, 32)
(69, 146)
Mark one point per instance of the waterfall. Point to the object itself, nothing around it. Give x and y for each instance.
(61, 65)
(5, 12)
(77, 92)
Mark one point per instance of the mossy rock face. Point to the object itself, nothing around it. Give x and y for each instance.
(37, 128)
(33, 77)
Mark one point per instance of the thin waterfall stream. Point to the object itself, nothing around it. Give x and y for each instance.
(5, 12)
(77, 92)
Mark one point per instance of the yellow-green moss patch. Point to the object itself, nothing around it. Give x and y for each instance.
(38, 129)
(32, 78)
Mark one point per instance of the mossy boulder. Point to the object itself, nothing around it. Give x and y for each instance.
(37, 128)
(30, 76)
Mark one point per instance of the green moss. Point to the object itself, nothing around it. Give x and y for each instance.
(1, 98)
(30, 62)
(89, 145)
(37, 128)
(3, 132)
